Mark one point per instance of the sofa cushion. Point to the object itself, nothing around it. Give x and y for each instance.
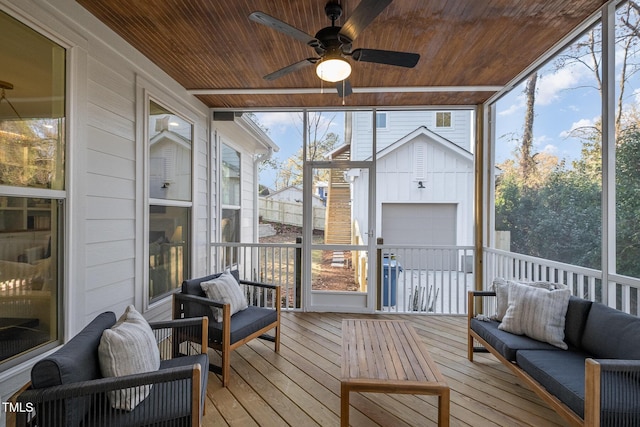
(225, 289)
(507, 344)
(575, 320)
(128, 347)
(76, 361)
(560, 372)
(537, 313)
(171, 412)
(599, 340)
(244, 323)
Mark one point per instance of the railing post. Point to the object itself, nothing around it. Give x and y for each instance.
(298, 273)
(379, 242)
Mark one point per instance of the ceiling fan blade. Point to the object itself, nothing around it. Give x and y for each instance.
(361, 17)
(291, 68)
(283, 27)
(344, 88)
(389, 57)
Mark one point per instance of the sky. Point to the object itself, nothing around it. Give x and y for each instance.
(285, 129)
(567, 99)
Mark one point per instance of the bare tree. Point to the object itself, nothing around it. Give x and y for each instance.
(527, 163)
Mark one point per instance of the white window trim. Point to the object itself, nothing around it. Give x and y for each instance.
(145, 93)
(435, 122)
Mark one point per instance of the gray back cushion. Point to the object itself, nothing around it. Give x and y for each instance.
(611, 334)
(76, 361)
(576, 319)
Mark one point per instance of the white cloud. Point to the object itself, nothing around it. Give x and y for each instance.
(550, 149)
(278, 122)
(550, 85)
(511, 110)
(580, 124)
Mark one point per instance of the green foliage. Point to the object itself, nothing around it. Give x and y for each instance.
(559, 219)
(628, 203)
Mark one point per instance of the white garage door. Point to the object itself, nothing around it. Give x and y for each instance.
(421, 224)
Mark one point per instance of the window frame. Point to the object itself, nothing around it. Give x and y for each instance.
(450, 120)
(149, 93)
(59, 196)
(229, 254)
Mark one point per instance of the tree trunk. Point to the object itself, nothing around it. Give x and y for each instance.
(527, 166)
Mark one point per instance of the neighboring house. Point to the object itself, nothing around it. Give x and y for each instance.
(453, 125)
(424, 180)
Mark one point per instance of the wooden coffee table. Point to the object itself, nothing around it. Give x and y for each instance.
(387, 356)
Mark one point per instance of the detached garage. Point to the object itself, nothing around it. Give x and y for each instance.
(413, 224)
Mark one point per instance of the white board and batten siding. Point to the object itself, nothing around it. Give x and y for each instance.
(446, 173)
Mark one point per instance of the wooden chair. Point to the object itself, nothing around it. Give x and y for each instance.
(262, 315)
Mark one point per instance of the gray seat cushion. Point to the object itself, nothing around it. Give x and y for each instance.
(598, 339)
(157, 409)
(506, 343)
(244, 323)
(560, 372)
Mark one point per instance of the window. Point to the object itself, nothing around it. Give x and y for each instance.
(381, 120)
(443, 119)
(170, 142)
(32, 147)
(231, 200)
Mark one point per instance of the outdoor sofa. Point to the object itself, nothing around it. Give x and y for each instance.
(595, 381)
(68, 388)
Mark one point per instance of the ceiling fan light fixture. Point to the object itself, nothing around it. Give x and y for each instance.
(333, 69)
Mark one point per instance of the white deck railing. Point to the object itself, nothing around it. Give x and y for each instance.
(426, 279)
(618, 291)
(416, 279)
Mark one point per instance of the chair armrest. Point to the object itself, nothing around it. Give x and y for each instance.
(174, 332)
(259, 284)
(614, 378)
(471, 302)
(198, 300)
(482, 293)
(52, 400)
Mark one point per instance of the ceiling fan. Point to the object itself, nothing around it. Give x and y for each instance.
(334, 44)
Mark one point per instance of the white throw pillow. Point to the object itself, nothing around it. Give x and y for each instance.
(128, 347)
(501, 287)
(537, 313)
(225, 289)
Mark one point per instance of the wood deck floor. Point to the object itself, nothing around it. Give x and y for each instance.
(300, 386)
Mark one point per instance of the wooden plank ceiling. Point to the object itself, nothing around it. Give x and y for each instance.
(212, 48)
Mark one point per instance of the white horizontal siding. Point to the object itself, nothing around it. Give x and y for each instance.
(401, 123)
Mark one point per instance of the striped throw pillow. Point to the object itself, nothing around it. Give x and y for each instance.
(537, 313)
(225, 289)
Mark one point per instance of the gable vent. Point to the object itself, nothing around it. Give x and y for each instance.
(419, 162)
